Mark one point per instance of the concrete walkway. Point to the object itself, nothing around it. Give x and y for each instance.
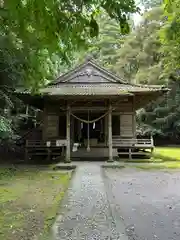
(87, 212)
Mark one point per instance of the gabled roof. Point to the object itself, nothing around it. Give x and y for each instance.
(88, 71)
(89, 78)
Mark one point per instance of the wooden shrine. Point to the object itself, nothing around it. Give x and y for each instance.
(89, 107)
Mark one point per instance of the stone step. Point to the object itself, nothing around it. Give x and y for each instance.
(93, 153)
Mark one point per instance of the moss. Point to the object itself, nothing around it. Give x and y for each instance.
(29, 200)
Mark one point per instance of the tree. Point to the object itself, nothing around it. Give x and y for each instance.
(38, 38)
(139, 58)
(134, 56)
(103, 48)
(170, 37)
(48, 31)
(161, 118)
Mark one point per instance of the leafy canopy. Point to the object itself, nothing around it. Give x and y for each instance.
(170, 36)
(39, 37)
(48, 32)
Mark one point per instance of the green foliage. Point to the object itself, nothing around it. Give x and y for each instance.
(104, 48)
(46, 32)
(5, 128)
(38, 39)
(170, 36)
(136, 56)
(162, 117)
(139, 58)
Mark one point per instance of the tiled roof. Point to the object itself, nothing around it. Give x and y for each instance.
(91, 79)
(97, 89)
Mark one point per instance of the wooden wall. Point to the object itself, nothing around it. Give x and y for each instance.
(127, 125)
(127, 119)
(51, 126)
(125, 107)
(55, 121)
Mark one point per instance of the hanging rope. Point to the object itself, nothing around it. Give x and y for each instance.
(90, 121)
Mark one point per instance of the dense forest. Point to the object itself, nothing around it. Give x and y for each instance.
(42, 39)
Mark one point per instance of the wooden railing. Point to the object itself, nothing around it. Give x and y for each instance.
(44, 144)
(132, 142)
(117, 142)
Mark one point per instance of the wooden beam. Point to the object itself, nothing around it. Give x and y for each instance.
(68, 137)
(73, 102)
(110, 134)
(85, 109)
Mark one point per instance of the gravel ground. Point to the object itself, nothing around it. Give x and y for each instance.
(147, 201)
(86, 212)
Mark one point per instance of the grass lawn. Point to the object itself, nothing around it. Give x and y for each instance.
(163, 158)
(157, 165)
(168, 153)
(29, 201)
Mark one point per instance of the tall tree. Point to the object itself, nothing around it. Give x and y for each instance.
(170, 36)
(104, 47)
(139, 58)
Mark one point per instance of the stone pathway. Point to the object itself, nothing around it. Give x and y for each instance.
(87, 212)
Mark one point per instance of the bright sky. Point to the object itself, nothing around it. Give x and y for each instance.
(137, 17)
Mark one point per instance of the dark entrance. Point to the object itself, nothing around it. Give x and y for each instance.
(96, 129)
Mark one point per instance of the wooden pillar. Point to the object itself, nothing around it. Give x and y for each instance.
(45, 124)
(68, 135)
(110, 134)
(134, 117)
(130, 153)
(106, 130)
(72, 129)
(26, 152)
(152, 146)
(27, 110)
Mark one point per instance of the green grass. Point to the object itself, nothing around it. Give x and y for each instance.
(157, 166)
(168, 153)
(30, 200)
(163, 158)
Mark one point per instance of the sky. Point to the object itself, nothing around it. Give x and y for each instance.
(137, 17)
